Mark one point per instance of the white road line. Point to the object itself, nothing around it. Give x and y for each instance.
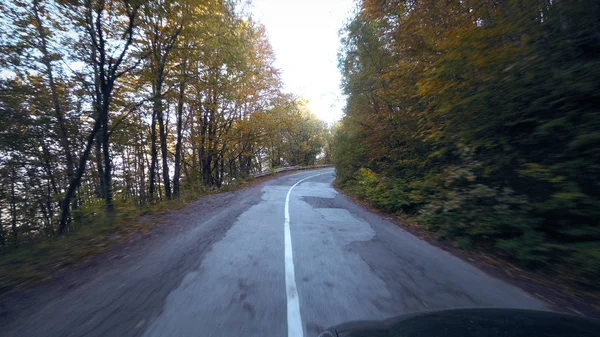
(294, 320)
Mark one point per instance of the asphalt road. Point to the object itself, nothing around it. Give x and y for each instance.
(229, 271)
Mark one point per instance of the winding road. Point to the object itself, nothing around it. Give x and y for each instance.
(287, 257)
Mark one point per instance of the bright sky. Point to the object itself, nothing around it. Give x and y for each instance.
(304, 35)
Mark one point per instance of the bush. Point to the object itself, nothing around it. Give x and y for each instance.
(455, 206)
(389, 195)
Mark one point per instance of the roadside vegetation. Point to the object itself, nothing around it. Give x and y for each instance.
(114, 109)
(480, 120)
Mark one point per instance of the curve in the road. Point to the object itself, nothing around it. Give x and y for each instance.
(227, 268)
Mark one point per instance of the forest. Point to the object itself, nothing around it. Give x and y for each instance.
(108, 107)
(479, 119)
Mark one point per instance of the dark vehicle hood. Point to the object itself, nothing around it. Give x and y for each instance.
(473, 323)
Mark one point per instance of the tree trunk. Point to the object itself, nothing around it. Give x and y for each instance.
(178, 145)
(142, 172)
(100, 193)
(110, 208)
(46, 213)
(212, 143)
(48, 169)
(159, 191)
(76, 181)
(13, 209)
(2, 237)
(193, 136)
(222, 173)
(158, 106)
(205, 164)
(154, 158)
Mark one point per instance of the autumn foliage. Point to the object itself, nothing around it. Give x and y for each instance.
(108, 107)
(480, 118)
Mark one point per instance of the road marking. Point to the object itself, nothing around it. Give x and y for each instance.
(294, 320)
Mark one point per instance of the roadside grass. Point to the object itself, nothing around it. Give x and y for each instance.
(39, 261)
(27, 265)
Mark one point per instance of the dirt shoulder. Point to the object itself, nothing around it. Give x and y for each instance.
(561, 296)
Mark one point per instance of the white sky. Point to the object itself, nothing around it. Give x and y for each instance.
(304, 36)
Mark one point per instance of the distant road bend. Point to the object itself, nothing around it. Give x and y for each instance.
(288, 257)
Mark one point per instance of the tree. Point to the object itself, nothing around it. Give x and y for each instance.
(163, 22)
(472, 113)
(92, 89)
(95, 23)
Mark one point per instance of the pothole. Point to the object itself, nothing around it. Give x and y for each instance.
(318, 202)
